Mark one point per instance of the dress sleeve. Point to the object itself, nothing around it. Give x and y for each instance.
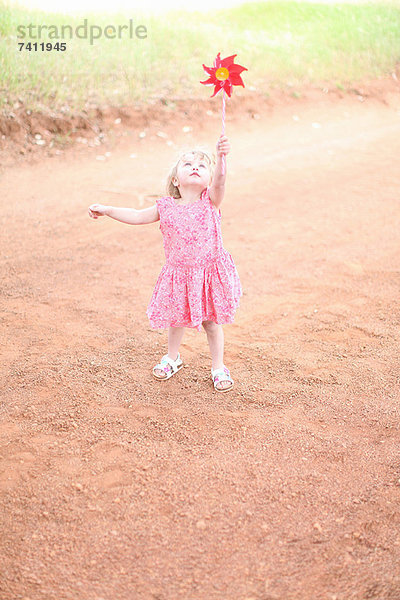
(217, 211)
(161, 202)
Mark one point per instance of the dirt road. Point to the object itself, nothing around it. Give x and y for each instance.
(116, 486)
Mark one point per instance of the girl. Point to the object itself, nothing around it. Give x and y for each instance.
(199, 284)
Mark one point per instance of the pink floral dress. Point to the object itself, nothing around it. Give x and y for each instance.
(199, 281)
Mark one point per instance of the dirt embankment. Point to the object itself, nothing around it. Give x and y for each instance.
(25, 133)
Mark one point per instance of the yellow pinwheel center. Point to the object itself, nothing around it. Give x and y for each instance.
(222, 73)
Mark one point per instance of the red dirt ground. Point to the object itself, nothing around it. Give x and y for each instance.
(116, 486)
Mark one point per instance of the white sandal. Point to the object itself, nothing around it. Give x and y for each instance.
(219, 375)
(169, 366)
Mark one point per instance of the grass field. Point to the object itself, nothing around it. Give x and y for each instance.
(281, 43)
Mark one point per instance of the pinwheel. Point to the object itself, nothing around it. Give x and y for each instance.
(224, 75)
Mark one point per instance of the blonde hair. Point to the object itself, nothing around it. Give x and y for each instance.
(198, 151)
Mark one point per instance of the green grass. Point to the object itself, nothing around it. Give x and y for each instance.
(280, 43)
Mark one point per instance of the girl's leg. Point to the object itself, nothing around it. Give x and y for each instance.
(215, 337)
(175, 335)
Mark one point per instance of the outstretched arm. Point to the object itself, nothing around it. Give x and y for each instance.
(131, 216)
(217, 187)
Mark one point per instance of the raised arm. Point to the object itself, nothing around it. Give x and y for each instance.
(217, 187)
(131, 216)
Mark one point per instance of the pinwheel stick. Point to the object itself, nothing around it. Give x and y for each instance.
(223, 130)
